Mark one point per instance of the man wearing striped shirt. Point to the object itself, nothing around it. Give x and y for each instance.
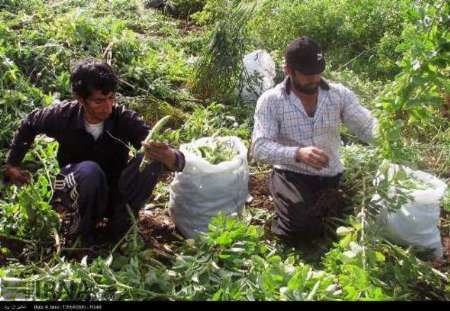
(297, 131)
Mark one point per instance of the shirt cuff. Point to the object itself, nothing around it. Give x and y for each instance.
(290, 154)
(180, 161)
(14, 157)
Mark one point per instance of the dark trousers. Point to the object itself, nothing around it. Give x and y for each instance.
(298, 217)
(87, 195)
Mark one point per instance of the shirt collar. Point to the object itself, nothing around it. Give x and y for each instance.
(285, 85)
(80, 117)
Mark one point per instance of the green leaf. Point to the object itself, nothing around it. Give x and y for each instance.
(380, 257)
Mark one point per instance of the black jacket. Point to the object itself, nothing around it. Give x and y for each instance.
(65, 123)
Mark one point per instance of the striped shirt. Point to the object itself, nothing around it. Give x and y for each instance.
(282, 126)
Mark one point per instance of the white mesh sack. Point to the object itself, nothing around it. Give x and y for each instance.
(202, 189)
(416, 222)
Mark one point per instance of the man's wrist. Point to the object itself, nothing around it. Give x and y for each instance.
(8, 166)
(297, 155)
(177, 161)
(11, 163)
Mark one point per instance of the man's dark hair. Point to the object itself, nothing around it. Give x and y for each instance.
(92, 74)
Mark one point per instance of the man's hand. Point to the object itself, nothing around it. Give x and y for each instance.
(313, 156)
(16, 175)
(161, 152)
